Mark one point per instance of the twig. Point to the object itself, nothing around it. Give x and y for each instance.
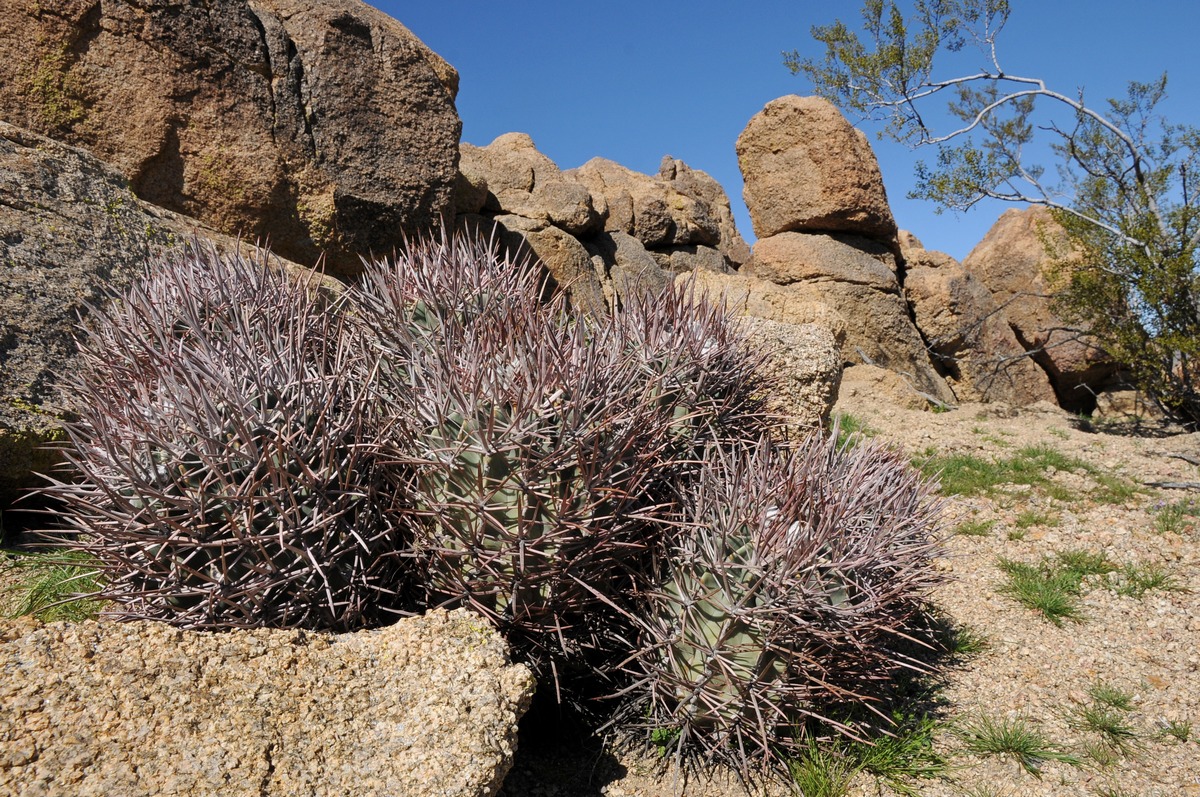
(1174, 485)
(1185, 457)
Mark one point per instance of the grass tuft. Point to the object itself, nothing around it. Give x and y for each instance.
(821, 770)
(55, 586)
(1176, 729)
(1177, 517)
(975, 528)
(1013, 737)
(1041, 588)
(907, 755)
(1030, 466)
(1107, 694)
(1134, 580)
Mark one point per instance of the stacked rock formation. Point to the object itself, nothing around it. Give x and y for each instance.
(605, 232)
(826, 233)
(602, 231)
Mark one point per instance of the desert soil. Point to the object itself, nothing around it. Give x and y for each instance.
(1029, 670)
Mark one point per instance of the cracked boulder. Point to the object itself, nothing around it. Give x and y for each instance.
(968, 334)
(325, 126)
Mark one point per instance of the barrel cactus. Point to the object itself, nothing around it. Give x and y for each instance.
(544, 449)
(222, 469)
(791, 588)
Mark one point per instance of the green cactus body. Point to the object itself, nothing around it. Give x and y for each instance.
(720, 646)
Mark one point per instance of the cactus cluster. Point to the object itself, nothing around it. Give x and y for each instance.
(545, 449)
(789, 592)
(223, 471)
(446, 432)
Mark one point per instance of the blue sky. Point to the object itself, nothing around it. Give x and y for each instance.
(632, 81)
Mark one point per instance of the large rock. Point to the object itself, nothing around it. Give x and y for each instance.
(807, 169)
(1010, 262)
(701, 187)
(969, 334)
(428, 706)
(565, 259)
(602, 231)
(70, 230)
(326, 126)
(857, 278)
(625, 266)
(750, 296)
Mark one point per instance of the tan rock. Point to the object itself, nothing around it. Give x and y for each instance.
(807, 169)
(1010, 262)
(682, 259)
(704, 189)
(1118, 405)
(565, 258)
(523, 182)
(625, 267)
(750, 296)
(325, 125)
(652, 210)
(968, 334)
(856, 278)
(871, 385)
(807, 362)
(428, 706)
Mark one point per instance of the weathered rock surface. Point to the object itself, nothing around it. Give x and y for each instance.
(1009, 261)
(856, 277)
(807, 169)
(70, 229)
(625, 266)
(523, 182)
(807, 360)
(873, 385)
(1122, 405)
(968, 334)
(751, 296)
(326, 125)
(701, 187)
(428, 706)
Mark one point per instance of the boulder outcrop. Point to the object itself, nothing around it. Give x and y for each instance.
(601, 229)
(969, 335)
(807, 169)
(1010, 262)
(428, 706)
(325, 126)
